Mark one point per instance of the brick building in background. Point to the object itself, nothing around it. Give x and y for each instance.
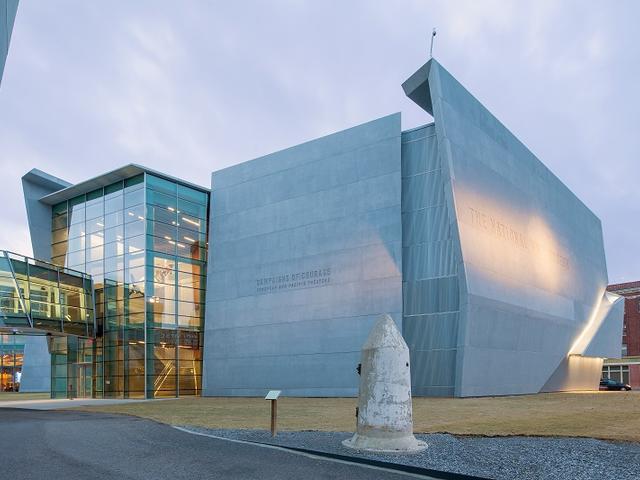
(627, 368)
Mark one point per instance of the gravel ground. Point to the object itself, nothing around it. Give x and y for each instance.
(491, 457)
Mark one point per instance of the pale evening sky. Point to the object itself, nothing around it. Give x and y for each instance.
(194, 86)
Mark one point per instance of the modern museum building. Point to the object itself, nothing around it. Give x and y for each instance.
(149, 286)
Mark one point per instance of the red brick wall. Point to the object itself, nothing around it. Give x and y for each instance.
(632, 324)
(634, 376)
(631, 332)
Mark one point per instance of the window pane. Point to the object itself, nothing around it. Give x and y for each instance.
(134, 228)
(114, 264)
(135, 276)
(162, 214)
(191, 237)
(76, 230)
(162, 230)
(161, 185)
(76, 244)
(95, 225)
(134, 244)
(192, 223)
(161, 199)
(134, 213)
(135, 305)
(93, 195)
(75, 258)
(162, 245)
(95, 209)
(194, 252)
(133, 260)
(114, 248)
(94, 240)
(59, 221)
(186, 279)
(59, 209)
(96, 253)
(113, 219)
(113, 203)
(192, 195)
(162, 305)
(58, 249)
(192, 209)
(162, 290)
(59, 236)
(115, 276)
(58, 260)
(133, 198)
(189, 322)
(190, 294)
(76, 209)
(114, 234)
(134, 182)
(95, 268)
(193, 266)
(190, 309)
(113, 190)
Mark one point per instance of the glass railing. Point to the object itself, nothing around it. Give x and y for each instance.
(40, 297)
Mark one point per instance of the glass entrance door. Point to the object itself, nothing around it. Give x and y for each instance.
(83, 380)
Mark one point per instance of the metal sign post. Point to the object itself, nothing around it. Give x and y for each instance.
(273, 396)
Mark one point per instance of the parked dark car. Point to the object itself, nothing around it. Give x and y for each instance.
(609, 384)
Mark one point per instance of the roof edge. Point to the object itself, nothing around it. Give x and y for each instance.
(126, 171)
(46, 180)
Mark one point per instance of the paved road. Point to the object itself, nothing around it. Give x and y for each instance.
(53, 404)
(76, 445)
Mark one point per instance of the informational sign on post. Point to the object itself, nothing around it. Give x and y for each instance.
(273, 396)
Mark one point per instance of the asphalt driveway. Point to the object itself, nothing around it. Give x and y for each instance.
(77, 445)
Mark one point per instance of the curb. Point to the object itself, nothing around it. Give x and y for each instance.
(382, 464)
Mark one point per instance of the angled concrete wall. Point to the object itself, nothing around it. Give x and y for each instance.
(304, 254)
(35, 185)
(36, 371)
(532, 273)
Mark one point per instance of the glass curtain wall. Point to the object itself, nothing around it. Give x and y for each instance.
(144, 242)
(11, 358)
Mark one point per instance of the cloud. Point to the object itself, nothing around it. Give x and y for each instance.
(91, 86)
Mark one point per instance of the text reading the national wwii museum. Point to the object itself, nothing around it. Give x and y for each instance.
(291, 281)
(502, 230)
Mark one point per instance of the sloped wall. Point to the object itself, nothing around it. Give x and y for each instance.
(533, 266)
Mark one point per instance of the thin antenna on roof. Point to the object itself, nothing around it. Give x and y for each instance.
(433, 35)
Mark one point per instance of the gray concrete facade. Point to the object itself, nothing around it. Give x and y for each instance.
(492, 268)
(305, 254)
(533, 311)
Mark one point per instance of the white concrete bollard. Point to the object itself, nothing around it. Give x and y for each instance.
(384, 402)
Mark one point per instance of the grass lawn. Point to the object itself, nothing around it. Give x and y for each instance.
(19, 396)
(606, 415)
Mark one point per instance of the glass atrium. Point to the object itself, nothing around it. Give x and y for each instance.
(143, 240)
